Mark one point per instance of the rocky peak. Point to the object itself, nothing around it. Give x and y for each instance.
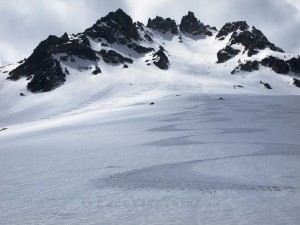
(259, 34)
(191, 25)
(231, 27)
(163, 25)
(253, 41)
(118, 16)
(118, 27)
(34, 62)
(115, 27)
(43, 70)
(65, 37)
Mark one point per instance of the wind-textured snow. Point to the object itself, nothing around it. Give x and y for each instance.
(94, 151)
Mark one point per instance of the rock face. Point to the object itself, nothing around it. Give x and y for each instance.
(231, 27)
(116, 27)
(281, 66)
(79, 46)
(163, 25)
(113, 57)
(75, 49)
(48, 78)
(139, 48)
(266, 85)
(294, 65)
(44, 72)
(249, 66)
(191, 25)
(226, 54)
(253, 40)
(160, 59)
(145, 35)
(277, 65)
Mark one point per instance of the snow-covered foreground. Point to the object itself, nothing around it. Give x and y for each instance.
(188, 159)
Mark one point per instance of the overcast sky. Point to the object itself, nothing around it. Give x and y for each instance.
(24, 23)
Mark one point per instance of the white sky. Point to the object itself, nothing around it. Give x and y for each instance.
(24, 23)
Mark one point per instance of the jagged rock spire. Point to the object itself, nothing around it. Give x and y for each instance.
(113, 27)
(163, 25)
(191, 25)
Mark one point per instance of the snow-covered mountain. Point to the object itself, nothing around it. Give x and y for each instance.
(115, 40)
(158, 124)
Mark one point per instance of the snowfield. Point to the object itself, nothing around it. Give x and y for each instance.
(95, 151)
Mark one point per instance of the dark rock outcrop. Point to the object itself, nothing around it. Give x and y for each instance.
(75, 49)
(139, 48)
(249, 66)
(48, 77)
(191, 25)
(163, 25)
(253, 41)
(281, 66)
(231, 27)
(277, 65)
(116, 27)
(44, 72)
(114, 57)
(226, 54)
(160, 59)
(266, 85)
(97, 70)
(296, 82)
(294, 65)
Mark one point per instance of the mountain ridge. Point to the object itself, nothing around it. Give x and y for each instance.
(123, 42)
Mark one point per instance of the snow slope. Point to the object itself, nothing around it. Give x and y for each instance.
(94, 151)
